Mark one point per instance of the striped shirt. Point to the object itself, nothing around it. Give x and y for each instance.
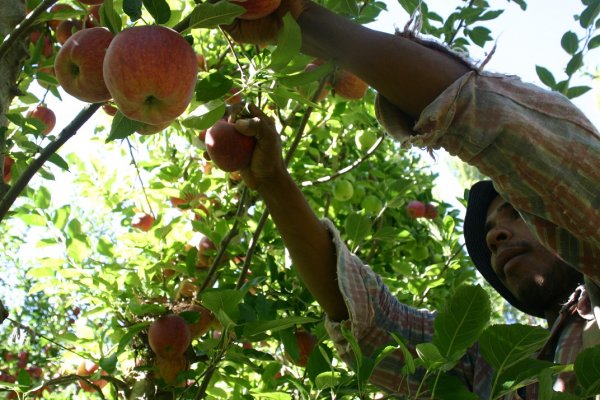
(543, 155)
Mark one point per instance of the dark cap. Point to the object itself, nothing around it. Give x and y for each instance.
(481, 196)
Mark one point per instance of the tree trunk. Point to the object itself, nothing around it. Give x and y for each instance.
(11, 13)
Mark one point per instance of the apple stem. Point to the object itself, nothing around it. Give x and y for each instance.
(67, 133)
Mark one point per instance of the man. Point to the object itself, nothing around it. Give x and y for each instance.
(539, 219)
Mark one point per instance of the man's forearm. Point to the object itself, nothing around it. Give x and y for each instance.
(406, 73)
(308, 241)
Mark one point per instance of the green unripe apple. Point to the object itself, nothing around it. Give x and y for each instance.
(343, 190)
(371, 204)
(365, 139)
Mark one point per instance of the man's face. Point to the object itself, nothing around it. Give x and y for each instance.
(533, 274)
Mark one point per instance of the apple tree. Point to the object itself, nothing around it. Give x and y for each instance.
(134, 267)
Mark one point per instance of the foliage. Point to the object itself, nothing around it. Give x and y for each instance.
(82, 282)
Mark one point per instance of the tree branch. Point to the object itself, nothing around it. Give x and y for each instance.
(67, 133)
(24, 26)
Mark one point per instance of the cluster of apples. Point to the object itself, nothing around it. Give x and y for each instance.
(22, 363)
(418, 209)
(170, 336)
(149, 71)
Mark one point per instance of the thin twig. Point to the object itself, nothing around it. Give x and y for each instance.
(347, 169)
(67, 133)
(24, 26)
(137, 169)
(460, 25)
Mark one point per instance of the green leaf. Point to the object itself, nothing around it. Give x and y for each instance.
(357, 227)
(212, 87)
(451, 388)
(480, 35)
(221, 301)
(23, 378)
(489, 15)
(306, 77)
(505, 345)
(545, 76)
(122, 127)
(594, 42)
(461, 321)
(587, 369)
(109, 17)
(328, 380)
(146, 308)
(271, 395)
(205, 116)
(42, 198)
(289, 41)
(159, 9)
(59, 161)
(589, 14)
(133, 8)
(256, 327)
(522, 373)
(41, 272)
(574, 64)
(132, 331)
(569, 42)
(211, 15)
(577, 91)
(431, 356)
(61, 216)
(32, 219)
(109, 364)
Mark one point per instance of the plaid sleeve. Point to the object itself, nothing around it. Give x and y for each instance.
(541, 152)
(374, 312)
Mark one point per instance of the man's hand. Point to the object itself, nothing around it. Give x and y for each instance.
(264, 30)
(266, 164)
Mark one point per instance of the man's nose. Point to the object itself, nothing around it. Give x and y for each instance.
(496, 236)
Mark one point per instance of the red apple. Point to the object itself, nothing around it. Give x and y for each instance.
(306, 343)
(48, 70)
(415, 209)
(201, 62)
(143, 221)
(35, 36)
(169, 336)
(206, 253)
(93, 17)
(229, 149)
(78, 65)
(92, 2)
(235, 96)
(348, 85)
(66, 29)
(44, 115)
(204, 322)
(149, 129)
(257, 8)
(167, 369)
(186, 289)
(87, 368)
(430, 211)
(110, 109)
(53, 23)
(151, 72)
(8, 163)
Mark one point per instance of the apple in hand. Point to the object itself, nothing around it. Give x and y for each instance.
(229, 149)
(151, 73)
(415, 209)
(257, 8)
(78, 65)
(44, 115)
(169, 336)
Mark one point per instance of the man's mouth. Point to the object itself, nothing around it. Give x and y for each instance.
(506, 257)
